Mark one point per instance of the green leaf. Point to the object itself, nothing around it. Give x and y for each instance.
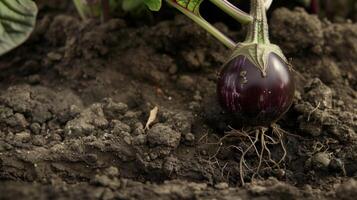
(153, 5)
(17, 21)
(190, 5)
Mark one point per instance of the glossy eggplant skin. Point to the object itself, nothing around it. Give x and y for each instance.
(252, 98)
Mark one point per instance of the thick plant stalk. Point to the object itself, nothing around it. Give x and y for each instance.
(257, 47)
(258, 31)
(233, 11)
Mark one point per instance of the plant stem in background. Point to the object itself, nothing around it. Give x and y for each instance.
(233, 11)
(258, 31)
(80, 8)
(196, 17)
(315, 7)
(105, 10)
(88, 8)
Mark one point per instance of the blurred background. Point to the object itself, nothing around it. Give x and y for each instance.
(334, 10)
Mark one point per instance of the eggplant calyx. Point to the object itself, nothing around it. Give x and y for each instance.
(258, 54)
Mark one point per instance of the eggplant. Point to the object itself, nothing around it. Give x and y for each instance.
(254, 98)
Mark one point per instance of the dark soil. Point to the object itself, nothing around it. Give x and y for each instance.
(76, 97)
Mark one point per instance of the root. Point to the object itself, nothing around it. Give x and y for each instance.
(258, 140)
(314, 110)
(252, 140)
(242, 158)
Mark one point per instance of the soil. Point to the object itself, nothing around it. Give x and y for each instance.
(76, 97)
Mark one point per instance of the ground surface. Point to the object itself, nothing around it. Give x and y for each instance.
(75, 99)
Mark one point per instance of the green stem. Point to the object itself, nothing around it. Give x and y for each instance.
(233, 11)
(205, 25)
(80, 8)
(258, 31)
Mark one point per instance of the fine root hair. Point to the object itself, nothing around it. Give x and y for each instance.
(255, 141)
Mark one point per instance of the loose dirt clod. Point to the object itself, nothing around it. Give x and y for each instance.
(160, 134)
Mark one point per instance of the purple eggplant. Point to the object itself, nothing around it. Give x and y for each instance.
(254, 98)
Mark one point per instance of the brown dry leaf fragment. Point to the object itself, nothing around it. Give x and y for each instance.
(152, 117)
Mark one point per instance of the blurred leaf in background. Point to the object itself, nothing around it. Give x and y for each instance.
(88, 8)
(94, 8)
(17, 21)
(153, 5)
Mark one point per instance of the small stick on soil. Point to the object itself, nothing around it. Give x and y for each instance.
(152, 117)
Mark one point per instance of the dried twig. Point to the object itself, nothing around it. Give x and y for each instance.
(152, 117)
